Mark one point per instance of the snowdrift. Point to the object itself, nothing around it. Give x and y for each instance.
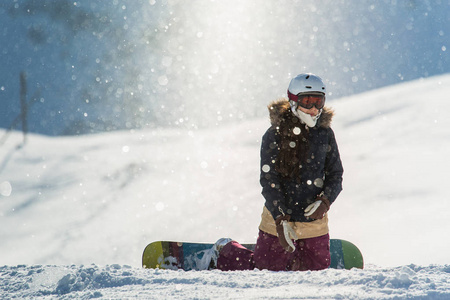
(123, 282)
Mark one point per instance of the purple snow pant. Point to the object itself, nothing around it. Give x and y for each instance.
(309, 254)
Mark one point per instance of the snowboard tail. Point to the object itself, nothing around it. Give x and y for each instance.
(185, 256)
(345, 255)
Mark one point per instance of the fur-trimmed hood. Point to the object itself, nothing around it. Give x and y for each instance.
(280, 107)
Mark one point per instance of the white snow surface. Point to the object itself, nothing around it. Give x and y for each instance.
(77, 212)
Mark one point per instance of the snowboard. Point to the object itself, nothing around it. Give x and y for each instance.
(185, 256)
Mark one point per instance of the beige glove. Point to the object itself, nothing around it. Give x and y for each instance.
(285, 233)
(318, 209)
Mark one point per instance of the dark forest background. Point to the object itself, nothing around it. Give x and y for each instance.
(95, 66)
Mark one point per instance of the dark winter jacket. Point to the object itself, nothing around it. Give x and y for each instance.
(320, 173)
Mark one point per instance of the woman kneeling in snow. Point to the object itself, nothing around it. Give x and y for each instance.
(301, 176)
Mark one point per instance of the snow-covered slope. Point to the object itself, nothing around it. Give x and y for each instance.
(102, 198)
(394, 143)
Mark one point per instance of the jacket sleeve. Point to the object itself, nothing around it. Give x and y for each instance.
(333, 170)
(270, 178)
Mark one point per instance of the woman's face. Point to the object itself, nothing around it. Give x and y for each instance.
(312, 111)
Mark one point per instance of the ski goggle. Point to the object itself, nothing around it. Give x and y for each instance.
(308, 100)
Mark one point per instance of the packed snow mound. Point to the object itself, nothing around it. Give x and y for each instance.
(122, 281)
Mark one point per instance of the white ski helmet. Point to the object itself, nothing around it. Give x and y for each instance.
(305, 84)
